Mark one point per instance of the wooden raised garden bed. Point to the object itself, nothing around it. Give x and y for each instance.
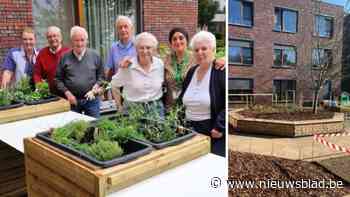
(31, 111)
(286, 127)
(53, 172)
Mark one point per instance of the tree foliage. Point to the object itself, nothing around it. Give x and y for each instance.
(206, 11)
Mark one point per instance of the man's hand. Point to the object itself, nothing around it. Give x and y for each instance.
(71, 98)
(220, 64)
(215, 133)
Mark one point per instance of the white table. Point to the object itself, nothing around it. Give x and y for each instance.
(13, 133)
(190, 179)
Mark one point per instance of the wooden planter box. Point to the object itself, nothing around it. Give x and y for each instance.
(286, 128)
(52, 172)
(12, 173)
(31, 111)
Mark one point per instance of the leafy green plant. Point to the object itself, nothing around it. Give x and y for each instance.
(23, 91)
(43, 89)
(5, 97)
(104, 150)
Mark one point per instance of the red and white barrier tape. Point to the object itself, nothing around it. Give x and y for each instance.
(320, 138)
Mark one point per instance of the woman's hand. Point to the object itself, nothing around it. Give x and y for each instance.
(220, 64)
(125, 62)
(215, 133)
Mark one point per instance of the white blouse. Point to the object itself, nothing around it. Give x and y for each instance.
(197, 98)
(139, 85)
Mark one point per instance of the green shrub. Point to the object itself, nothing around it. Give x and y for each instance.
(104, 150)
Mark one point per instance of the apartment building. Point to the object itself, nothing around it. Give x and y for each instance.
(275, 45)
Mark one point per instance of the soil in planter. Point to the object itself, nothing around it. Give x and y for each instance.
(291, 116)
(252, 167)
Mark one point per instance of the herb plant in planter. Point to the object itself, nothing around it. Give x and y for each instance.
(103, 143)
(7, 100)
(159, 132)
(23, 91)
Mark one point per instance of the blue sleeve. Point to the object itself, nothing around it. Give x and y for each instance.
(109, 62)
(9, 63)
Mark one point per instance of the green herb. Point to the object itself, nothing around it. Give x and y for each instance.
(5, 97)
(104, 150)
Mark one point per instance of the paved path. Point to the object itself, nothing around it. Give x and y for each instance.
(304, 148)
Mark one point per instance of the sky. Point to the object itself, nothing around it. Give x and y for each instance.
(338, 2)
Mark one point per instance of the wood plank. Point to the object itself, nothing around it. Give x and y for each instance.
(154, 154)
(40, 188)
(31, 111)
(17, 192)
(54, 180)
(130, 176)
(61, 173)
(68, 155)
(65, 167)
(12, 186)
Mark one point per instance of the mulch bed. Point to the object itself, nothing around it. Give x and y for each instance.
(291, 116)
(252, 167)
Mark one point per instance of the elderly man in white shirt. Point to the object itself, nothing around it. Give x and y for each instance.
(142, 80)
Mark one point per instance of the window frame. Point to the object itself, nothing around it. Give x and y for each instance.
(281, 80)
(281, 54)
(251, 42)
(241, 98)
(315, 66)
(316, 33)
(241, 24)
(283, 30)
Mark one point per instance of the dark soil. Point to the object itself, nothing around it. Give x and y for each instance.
(291, 116)
(252, 167)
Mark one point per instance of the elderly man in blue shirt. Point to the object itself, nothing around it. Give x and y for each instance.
(19, 62)
(123, 49)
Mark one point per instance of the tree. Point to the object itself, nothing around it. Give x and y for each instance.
(207, 10)
(325, 62)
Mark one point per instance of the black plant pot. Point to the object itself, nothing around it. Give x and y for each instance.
(12, 105)
(181, 136)
(132, 150)
(42, 101)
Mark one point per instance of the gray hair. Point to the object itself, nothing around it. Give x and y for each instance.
(54, 29)
(203, 37)
(78, 29)
(146, 36)
(123, 18)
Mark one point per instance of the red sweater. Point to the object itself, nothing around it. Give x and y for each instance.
(45, 66)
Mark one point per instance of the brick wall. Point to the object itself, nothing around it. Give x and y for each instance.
(162, 15)
(264, 39)
(346, 55)
(14, 15)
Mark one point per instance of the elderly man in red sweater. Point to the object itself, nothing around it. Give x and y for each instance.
(48, 59)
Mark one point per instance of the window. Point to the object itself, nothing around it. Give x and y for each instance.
(286, 20)
(321, 57)
(241, 52)
(240, 86)
(241, 12)
(55, 12)
(284, 90)
(284, 56)
(323, 26)
(100, 19)
(327, 90)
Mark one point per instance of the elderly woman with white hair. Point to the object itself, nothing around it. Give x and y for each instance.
(203, 93)
(142, 80)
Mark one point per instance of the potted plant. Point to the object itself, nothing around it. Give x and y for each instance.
(103, 143)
